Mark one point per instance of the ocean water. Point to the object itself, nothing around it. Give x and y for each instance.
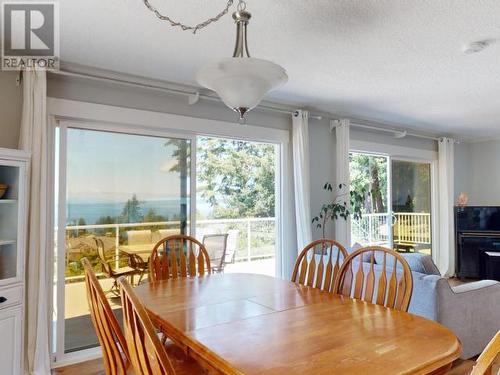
(92, 211)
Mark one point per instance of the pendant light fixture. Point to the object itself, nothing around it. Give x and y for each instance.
(242, 81)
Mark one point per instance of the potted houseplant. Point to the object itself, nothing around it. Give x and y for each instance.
(339, 207)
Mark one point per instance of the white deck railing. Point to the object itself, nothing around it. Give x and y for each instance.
(255, 231)
(407, 228)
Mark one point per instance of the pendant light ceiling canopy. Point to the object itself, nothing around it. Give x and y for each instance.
(240, 81)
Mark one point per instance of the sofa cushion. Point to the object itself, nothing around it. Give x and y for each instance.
(421, 263)
(367, 257)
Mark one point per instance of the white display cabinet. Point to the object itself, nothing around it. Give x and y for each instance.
(14, 166)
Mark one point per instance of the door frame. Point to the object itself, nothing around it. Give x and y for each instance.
(92, 116)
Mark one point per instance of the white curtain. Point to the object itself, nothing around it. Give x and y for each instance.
(342, 227)
(33, 138)
(301, 175)
(446, 246)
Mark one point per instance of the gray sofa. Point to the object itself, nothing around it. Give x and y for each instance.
(471, 311)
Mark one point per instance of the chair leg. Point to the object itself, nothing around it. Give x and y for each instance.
(115, 289)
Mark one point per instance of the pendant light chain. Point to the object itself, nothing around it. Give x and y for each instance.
(198, 26)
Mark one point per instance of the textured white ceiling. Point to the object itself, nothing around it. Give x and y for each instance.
(399, 61)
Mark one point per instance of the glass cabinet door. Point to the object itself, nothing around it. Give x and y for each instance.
(11, 200)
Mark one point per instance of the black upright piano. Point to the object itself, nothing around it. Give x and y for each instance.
(478, 242)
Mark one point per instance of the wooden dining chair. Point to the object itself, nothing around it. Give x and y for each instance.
(178, 256)
(114, 347)
(391, 285)
(485, 362)
(147, 354)
(318, 264)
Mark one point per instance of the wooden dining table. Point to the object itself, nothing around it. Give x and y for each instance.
(254, 324)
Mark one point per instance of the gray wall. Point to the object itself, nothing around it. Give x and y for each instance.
(10, 109)
(322, 166)
(368, 135)
(477, 172)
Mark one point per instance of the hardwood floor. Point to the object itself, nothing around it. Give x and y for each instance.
(95, 367)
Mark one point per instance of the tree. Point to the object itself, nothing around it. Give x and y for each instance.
(152, 216)
(369, 175)
(132, 211)
(237, 178)
(181, 153)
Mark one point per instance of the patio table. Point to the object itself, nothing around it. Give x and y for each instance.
(255, 324)
(144, 251)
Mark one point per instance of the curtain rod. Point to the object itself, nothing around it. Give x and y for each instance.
(397, 133)
(194, 96)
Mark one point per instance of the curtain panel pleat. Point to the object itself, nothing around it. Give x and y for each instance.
(302, 176)
(446, 243)
(342, 175)
(34, 139)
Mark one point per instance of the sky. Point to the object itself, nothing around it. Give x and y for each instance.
(111, 167)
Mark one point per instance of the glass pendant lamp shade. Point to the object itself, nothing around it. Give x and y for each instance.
(242, 82)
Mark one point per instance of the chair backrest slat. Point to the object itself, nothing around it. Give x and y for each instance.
(106, 325)
(395, 294)
(360, 280)
(328, 275)
(171, 255)
(192, 261)
(370, 280)
(147, 354)
(310, 270)
(319, 271)
(393, 285)
(347, 282)
(183, 265)
(382, 283)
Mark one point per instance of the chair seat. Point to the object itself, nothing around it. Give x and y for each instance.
(183, 365)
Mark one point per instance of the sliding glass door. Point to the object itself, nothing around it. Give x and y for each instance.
(411, 205)
(397, 207)
(119, 194)
(370, 173)
(236, 195)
